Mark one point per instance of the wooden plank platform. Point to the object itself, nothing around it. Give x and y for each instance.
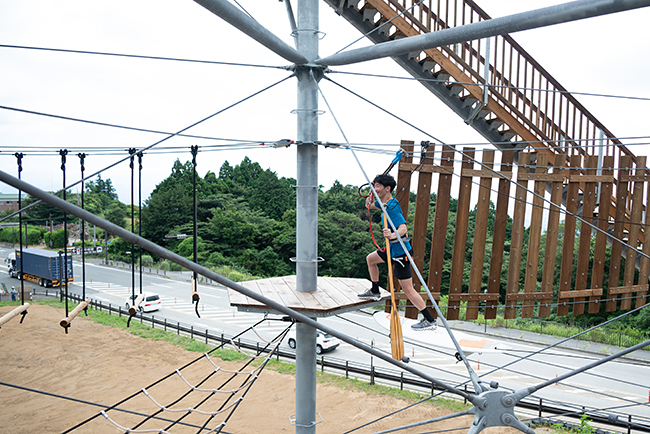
(334, 295)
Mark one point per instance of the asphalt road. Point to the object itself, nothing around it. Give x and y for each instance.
(618, 385)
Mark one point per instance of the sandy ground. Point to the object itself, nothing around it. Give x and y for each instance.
(104, 365)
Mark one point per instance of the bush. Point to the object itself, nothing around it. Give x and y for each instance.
(147, 261)
(59, 239)
(34, 235)
(168, 265)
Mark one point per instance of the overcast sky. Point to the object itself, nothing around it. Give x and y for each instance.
(605, 55)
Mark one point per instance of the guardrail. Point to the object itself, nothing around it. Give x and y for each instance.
(372, 374)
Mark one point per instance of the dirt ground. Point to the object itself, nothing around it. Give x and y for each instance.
(103, 365)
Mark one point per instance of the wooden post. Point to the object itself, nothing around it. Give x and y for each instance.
(598, 267)
(584, 249)
(633, 239)
(516, 241)
(403, 194)
(419, 236)
(550, 253)
(480, 236)
(499, 236)
(535, 234)
(460, 237)
(644, 270)
(439, 235)
(14, 313)
(568, 238)
(619, 223)
(65, 322)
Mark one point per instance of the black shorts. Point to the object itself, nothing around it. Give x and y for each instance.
(401, 265)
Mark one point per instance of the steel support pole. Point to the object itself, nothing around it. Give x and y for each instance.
(307, 210)
(562, 13)
(235, 17)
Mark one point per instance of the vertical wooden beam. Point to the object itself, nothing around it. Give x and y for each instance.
(535, 234)
(403, 194)
(439, 235)
(418, 242)
(644, 269)
(403, 189)
(550, 252)
(460, 237)
(480, 236)
(633, 238)
(624, 163)
(499, 236)
(568, 237)
(598, 267)
(584, 249)
(516, 241)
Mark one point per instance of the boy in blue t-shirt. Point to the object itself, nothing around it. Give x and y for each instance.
(384, 186)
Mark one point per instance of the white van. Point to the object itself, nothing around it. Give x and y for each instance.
(324, 342)
(150, 303)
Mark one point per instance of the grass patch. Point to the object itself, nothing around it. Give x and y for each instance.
(350, 384)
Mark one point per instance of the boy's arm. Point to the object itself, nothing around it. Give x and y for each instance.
(370, 202)
(401, 230)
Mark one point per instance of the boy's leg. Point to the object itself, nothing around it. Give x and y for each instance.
(413, 296)
(373, 260)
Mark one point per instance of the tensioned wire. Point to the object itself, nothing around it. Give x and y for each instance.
(470, 371)
(86, 402)
(136, 56)
(506, 369)
(159, 141)
(488, 145)
(499, 175)
(495, 86)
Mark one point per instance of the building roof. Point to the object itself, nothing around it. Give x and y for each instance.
(12, 196)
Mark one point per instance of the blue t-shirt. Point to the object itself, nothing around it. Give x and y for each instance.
(395, 215)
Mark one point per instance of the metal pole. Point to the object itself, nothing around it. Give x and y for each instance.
(307, 211)
(562, 13)
(252, 28)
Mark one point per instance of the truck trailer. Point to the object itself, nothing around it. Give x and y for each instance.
(40, 266)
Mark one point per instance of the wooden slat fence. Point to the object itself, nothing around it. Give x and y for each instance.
(557, 231)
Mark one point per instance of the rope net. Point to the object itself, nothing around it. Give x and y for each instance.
(199, 397)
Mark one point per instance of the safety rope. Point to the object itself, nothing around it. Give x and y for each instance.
(19, 158)
(132, 152)
(82, 158)
(195, 278)
(139, 154)
(63, 270)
